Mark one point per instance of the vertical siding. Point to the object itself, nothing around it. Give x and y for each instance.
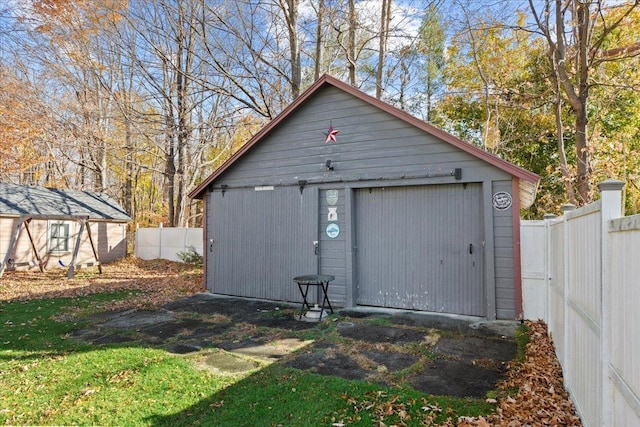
(332, 250)
(262, 239)
(6, 228)
(413, 248)
(110, 240)
(375, 147)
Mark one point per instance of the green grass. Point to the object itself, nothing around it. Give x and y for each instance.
(523, 336)
(380, 321)
(279, 396)
(49, 378)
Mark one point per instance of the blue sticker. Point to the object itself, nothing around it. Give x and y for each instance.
(333, 230)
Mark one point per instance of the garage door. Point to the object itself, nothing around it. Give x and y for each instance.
(420, 248)
(258, 241)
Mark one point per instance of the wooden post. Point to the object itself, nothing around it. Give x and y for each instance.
(93, 246)
(75, 252)
(33, 245)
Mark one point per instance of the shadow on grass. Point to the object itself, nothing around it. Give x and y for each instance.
(279, 396)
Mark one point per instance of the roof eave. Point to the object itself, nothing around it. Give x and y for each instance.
(198, 192)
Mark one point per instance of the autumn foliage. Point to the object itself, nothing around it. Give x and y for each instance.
(540, 398)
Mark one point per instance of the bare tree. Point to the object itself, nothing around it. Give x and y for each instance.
(290, 11)
(351, 46)
(385, 21)
(319, 40)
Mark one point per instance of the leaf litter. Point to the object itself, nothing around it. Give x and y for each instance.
(152, 283)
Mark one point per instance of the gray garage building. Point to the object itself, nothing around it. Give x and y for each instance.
(403, 214)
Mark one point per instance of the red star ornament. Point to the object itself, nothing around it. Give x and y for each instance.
(331, 135)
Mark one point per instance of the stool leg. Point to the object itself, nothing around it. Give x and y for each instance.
(304, 300)
(325, 290)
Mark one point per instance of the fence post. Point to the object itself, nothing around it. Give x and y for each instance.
(160, 228)
(566, 259)
(611, 208)
(548, 218)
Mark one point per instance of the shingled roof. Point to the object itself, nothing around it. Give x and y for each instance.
(18, 200)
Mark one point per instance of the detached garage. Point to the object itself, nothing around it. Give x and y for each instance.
(403, 214)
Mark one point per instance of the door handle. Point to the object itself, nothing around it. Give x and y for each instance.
(315, 247)
(470, 248)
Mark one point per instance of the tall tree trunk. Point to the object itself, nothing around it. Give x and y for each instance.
(576, 95)
(128, 166)
(351, 53)
(290, 9)
(171, 186)
(319, 41)
(385, 18)
(576, 87)
(562, 156)
(582, 144)
(170, 153)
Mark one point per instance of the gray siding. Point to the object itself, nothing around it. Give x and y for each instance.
(332, 250)
(503, 256)
(261, 240)
(371, 145)
(414, 248)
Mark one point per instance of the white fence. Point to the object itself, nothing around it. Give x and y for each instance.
(166, 243)
(581, 274)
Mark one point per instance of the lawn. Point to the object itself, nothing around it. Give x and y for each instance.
(49, 378)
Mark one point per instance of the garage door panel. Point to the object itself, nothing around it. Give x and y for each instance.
(276, 245)
(420, 248)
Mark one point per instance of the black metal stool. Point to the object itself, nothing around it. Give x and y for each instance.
(321, 280)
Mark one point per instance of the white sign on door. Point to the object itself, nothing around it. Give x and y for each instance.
(333, 214)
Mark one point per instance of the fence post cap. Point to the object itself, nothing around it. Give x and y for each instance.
(568, 207)
(549, 216)
(610, 185)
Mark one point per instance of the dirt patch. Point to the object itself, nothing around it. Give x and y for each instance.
(498, 349)
(441, 355)
(382, 334)
(456, 378)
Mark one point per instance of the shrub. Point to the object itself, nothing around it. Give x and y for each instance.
(190, 256)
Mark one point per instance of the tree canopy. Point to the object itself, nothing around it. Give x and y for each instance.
(144, 98)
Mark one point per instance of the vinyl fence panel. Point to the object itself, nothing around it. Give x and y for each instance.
(592, 286)
(167, 243)
(624, 297)
(534, 275)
